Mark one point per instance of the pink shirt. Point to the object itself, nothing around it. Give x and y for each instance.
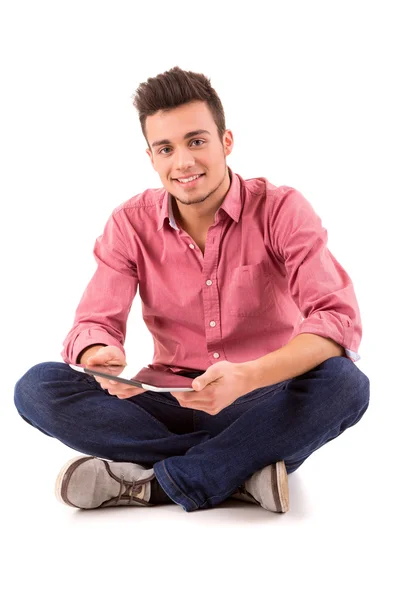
(266, 276)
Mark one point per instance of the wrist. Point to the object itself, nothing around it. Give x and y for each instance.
(252, 375)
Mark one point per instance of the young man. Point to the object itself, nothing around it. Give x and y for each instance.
(239, 291)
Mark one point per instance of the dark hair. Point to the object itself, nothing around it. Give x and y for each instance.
(174, 88)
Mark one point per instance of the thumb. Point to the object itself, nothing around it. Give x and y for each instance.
(106, 355)
(200, 383)
(97, 358)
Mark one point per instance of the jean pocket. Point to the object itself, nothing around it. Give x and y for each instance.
(250, 291)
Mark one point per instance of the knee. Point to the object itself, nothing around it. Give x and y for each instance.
(354, 384)
(27, 390)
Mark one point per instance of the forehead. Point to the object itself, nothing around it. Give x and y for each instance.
(174, 123)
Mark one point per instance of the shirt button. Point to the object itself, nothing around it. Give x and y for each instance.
(212, 323)
(216, 355)
(191, 246)
(209, 282)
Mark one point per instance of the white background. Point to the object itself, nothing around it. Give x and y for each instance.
(310, 91)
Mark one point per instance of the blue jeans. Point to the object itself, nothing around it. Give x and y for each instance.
(199, 459)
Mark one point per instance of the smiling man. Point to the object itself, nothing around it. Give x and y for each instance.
(191, 164)
(241, 295)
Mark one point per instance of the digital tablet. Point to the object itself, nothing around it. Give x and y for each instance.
(148, 379)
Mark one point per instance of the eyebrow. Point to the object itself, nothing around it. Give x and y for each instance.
(185, 137)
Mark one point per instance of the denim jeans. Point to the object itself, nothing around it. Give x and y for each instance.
(199, 459)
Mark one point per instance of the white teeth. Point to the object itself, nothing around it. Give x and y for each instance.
(189, 179)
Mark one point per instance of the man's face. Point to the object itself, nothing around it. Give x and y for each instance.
(175, 156)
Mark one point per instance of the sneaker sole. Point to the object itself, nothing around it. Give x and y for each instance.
(282, 485)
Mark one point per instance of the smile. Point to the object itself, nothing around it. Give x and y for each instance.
(189, 181)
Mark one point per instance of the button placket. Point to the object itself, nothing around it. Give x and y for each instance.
(211, 301)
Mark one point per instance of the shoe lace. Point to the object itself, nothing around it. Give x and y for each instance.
(132, 489)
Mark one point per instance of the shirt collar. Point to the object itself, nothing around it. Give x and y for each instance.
(232, 203)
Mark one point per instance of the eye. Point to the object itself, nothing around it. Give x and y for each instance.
(168, 147)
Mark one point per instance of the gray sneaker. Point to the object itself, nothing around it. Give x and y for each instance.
(268, 488)
(90, 482)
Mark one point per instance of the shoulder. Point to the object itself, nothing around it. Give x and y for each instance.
(264, 187)
(149, 200)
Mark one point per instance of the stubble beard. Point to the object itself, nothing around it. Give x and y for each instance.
(204, 198)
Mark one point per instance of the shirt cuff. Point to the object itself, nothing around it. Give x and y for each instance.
(88, 338)
(352, 355)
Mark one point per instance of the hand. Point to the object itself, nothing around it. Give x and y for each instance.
(218, 387)
(112, 360)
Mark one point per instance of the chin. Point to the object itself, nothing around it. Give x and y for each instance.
(188, 201)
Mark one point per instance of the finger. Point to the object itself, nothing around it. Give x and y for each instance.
(120, 386)
(126, 391)
(117, 387)
(102, 381)
(129, 395)
(203, 407)
(195, 405)
(107, 386)
(183, 396)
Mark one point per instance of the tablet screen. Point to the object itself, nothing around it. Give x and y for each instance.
(162, 379)
(153, 377)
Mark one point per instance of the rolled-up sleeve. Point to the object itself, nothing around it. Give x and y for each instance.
(318, 284)
(102, 313)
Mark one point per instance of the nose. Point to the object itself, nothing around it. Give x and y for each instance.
(183, 159)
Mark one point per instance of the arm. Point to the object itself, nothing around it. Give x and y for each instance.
(319, 286)
(101, 316)
(301, 354)
(317, 282)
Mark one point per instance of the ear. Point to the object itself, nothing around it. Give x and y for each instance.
(150, 155)
(228, 142)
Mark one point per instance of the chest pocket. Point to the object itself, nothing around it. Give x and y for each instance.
(250, 291)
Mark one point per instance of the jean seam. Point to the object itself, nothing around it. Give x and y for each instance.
(178, 488)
